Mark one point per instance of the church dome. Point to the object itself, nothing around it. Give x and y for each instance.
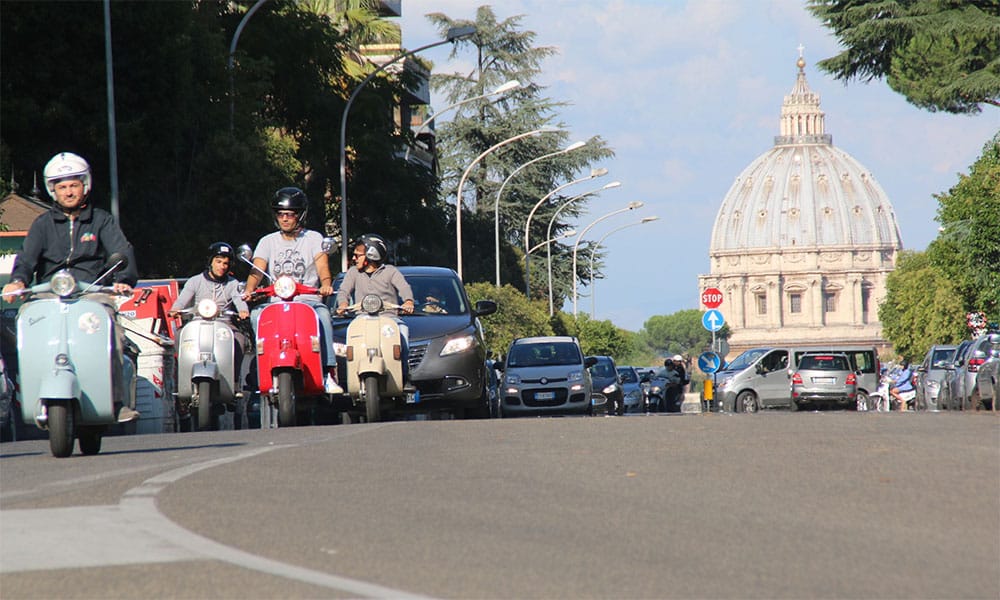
(804, 193)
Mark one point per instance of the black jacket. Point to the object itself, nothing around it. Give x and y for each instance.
(83, 246)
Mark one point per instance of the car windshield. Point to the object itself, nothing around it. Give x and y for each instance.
(628, 375)
(824, 362)
(435, 295)
(603, 368)
(942, 357)
(539, 354)
(746, 359)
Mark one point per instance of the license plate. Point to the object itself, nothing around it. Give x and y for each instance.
(824, 380)
(545, 395)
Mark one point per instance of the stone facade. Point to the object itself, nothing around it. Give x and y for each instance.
(803, 241)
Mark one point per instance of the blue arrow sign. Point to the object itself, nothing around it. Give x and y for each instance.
(709, 362)
(712, 320)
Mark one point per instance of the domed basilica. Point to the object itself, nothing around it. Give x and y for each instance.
(804, 240)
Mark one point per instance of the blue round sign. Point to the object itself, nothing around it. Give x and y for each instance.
(709, 362)
(712, 320)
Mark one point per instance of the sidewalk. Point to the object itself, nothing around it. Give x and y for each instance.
(692, 403)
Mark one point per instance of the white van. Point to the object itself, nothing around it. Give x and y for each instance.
(761, 377)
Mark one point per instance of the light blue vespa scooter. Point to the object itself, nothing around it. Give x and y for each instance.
(74, 372)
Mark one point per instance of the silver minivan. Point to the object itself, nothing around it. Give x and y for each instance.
(761, 377)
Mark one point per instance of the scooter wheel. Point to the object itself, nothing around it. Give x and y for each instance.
(61, 427)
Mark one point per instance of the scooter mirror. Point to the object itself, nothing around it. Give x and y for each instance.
(328, 244)
(117, 261)
(245, 252)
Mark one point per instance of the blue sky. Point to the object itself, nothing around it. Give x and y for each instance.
(687, 94)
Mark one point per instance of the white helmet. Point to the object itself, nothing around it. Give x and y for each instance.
(66, 165)
(678, 358)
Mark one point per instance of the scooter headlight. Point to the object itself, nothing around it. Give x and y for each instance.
(208, 309)
(459, 344)
(371, 304)
(63, 283)
(284, 287)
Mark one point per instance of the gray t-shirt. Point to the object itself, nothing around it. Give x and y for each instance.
(294, 258)
(199, 287)
(386, 281)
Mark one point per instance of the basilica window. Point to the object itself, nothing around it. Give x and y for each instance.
(795, 303)
(761, 303)
(829, 301)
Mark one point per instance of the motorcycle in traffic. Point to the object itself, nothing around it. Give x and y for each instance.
(211, 350)
(292, 375)
(77, 368)
(373, 350)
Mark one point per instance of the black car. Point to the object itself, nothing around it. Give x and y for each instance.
(608, 383)
(447, 356)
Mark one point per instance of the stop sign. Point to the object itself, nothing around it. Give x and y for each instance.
(711, 297)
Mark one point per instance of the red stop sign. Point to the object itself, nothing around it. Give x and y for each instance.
(711, 297)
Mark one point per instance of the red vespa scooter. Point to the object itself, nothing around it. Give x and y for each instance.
(290, 367)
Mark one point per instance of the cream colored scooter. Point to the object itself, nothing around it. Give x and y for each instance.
(374, 353)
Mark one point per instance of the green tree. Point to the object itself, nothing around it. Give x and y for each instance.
(939, 54)
(923, 307)
(679, 333)
(506, 52)
(516, 316)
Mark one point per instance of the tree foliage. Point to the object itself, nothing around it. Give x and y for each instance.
(679, 333)
(505, 52)
(939, 54)
(516, 316)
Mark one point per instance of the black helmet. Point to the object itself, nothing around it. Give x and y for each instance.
(220, 249)
(291, 198)
(376, 250)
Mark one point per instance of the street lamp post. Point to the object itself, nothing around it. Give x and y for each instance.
(496, 204)
(601, 172)
(232, 52)
(465, 175)
(454, 34)
(631, 206)
(593, 251)
(548, 233)
(503, 89)
(561, 236)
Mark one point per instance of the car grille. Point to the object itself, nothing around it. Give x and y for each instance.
(528, 397)
(416, 356)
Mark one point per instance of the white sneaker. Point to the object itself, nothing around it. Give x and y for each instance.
(331, 387)
(127, 414)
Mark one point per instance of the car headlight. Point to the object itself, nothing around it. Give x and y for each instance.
(611, 389)
(725, 381)
(459, 344)
(575, 376)
(63, 283)
(207, 308)
(512, 380)
(284, 287)
(655, 389)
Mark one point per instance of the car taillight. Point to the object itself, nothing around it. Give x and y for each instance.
(974, 364)
(852, 379)
(796, 379)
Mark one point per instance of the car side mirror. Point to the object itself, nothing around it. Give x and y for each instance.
(759, 368)
(485, 307)
(920, 369)
(589, 362)
(644, 378)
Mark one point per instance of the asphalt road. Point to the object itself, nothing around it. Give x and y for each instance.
(774, 505)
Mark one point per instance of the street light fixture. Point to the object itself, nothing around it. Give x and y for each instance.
(503, 89)
(593, 251)
(232, 52)
(601, 172)
(465, 175)
(631, 206)
(496, 206)
(562, 236)
(548, 233)
(454, 34)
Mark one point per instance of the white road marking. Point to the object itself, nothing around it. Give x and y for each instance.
(92, 536)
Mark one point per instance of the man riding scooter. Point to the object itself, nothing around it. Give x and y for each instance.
(372, 275)
(296, 252)
(74, 236)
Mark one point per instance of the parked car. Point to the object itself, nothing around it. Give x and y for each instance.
(962, 391)
(989, 375)
(447, 355)
(930, 375)
(607, 382)
(632, 388)
(547, 375)
(824, 379)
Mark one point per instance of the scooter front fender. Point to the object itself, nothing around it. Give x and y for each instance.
(63, 384)
(205, 370)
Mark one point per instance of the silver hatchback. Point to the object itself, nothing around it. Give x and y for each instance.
(546, 375)
(825, 378)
